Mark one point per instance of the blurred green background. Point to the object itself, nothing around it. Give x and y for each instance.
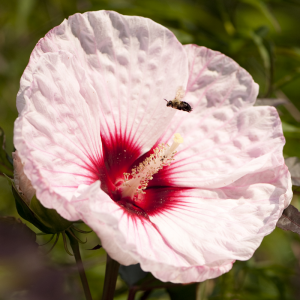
(262, 36)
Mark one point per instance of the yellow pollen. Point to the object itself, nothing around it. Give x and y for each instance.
(178, 138)
(136, 182)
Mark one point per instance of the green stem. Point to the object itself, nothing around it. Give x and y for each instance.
(75, 247)
(111, 275)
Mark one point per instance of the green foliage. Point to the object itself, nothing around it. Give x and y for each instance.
(45, 219)
(261, 35)
(6, 166)
(49, 217)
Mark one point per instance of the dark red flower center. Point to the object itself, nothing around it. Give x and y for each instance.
(138, 183)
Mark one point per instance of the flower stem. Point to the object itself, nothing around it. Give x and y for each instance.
(111, 275)
(75, 247)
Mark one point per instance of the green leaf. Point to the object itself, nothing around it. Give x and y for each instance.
(26, 213)
(263, 8)
(49, 217)
(293, 53)
(290, 77)
(290, 131)
(264, 54)
(6, 166)
(228, 25)
(21, 205)
(45, 219)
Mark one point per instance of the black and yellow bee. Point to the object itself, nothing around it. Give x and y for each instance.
(177, 103)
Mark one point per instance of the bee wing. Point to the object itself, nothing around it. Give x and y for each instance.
(180, 93)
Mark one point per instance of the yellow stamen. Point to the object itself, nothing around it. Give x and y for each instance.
(136, 182)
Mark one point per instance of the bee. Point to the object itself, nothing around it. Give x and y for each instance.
(177, 103)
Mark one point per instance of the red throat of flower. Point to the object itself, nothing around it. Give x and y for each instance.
(131, 191)
(136, 183)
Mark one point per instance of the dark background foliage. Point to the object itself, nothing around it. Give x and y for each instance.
(262, 36)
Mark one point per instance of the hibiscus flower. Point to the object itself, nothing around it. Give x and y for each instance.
(183, 194)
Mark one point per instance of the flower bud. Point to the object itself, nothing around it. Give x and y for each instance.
(29, 207)
(22, 183)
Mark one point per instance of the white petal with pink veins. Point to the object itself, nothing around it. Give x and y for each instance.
(97, 76)
(129, 240)
(226, 223)
(203, 233)
(217, 89)
(132, 63)
(59, 130)
(250, 142)
(224, 136)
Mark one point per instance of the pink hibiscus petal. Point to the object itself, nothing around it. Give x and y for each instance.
(184, 243)
(127, 61)
(250, 142)
(225, 137)
(59, 130)
(217, 89)
(93, 88)
(129, 240)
